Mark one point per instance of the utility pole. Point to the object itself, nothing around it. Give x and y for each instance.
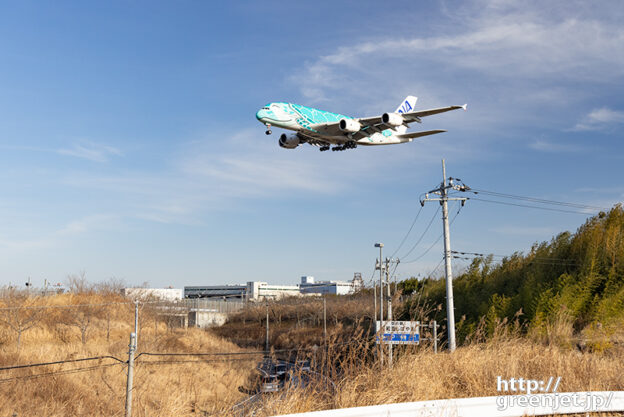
(132, 347)
(389, 308)
(267, 329)
(136, 322)
(435, 337)
(324, 321)
(442, 191)
(381, 291)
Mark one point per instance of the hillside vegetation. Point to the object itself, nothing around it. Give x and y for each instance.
(574, 282)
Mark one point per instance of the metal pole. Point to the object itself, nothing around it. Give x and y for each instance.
(435, 337)
(389, 307)
(381, 301)
(375, 299)
(132, 347)
(324, 321)
(136, 321)
(450, 312)
(267, 328)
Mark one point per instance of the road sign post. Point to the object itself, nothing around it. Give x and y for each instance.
(398, 332)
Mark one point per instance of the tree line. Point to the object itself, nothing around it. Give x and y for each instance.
(578, 276)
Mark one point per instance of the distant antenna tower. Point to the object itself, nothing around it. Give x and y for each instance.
(357, 281)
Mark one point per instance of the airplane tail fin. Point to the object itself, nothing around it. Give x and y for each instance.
(407, 105)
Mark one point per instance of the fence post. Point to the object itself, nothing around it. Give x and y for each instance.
(132, 347)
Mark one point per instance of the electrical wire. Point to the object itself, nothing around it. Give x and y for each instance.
(423, 233)
(436, 268)
(527, 206)
(34, 365)
(437, 240)
(408, 232)
(258, 352)
(539, 259)
(536, 200)
(64, 306)
(65, 372)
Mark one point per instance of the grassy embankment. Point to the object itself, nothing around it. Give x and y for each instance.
(180, 389)
(211, 388)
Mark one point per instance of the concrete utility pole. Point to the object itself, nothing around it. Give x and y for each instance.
(132, 347)
(267, 328)
(136, 322)
(442, 191)
(324, 321)
(381, 302)
(389, 308)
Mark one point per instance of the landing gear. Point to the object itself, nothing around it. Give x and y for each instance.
(268, 131)
(348, 145)
(324, 148)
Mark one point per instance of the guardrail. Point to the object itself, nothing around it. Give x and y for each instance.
(498, 406)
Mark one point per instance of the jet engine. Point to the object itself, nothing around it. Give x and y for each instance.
(392, 119)
(289, 141)
(349, 125)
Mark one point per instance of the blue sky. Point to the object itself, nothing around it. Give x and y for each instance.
(129, 147)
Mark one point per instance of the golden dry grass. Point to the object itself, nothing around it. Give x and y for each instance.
(471, 371)
(211, 388)
(181, 389)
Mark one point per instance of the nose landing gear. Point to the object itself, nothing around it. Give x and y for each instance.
(268, 131)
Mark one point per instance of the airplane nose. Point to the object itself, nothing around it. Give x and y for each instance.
(261, 114)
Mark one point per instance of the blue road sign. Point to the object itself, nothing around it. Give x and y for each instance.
(400, 338)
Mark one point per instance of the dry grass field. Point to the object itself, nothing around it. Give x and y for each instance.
(99, 325)
(161, 389)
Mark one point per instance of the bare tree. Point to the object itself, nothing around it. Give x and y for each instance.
(112, 286)
(78, 284)
(20, 313)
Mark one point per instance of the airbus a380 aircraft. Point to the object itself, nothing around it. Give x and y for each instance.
(324, 129)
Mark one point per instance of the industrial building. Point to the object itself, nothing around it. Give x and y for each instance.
(259, 290)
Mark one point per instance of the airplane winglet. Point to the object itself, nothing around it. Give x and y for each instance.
(465, 106)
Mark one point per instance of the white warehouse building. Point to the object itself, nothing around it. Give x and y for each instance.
(260, 290)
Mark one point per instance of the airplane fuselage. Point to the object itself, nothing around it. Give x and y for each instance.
(303, 119)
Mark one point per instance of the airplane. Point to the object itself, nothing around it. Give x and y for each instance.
(324, 129)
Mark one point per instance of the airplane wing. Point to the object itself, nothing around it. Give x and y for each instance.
(410, 136)
(375, 124)
(414, 116)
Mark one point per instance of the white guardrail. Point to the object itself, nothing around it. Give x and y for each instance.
(498, 406)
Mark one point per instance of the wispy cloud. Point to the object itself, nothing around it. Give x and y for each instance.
(206, 175)
(87, 224)
(600, 119)
(91, 151)
(511, 62)
(52, 238)
(543, 145)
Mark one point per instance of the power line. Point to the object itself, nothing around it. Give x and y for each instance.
(526, 206)
(533, 259)
(34, 365)
(423, 233)
(31, 307)
(408, 232)
(436, 268)
(65, 372)
(434, 243)
(536, 200)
